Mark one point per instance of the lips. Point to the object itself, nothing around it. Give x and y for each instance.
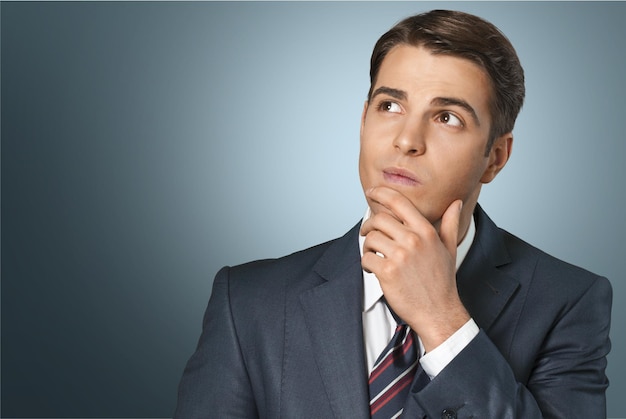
(400, 176)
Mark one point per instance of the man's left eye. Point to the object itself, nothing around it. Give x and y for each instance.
(450, 119)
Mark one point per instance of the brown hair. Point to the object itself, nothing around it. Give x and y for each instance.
(470, 37)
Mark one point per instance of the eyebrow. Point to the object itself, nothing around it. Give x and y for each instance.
(394, 93)
(452, 101)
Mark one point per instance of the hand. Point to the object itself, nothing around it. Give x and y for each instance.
(415, 264)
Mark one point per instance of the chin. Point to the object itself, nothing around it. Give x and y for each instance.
(376, 208)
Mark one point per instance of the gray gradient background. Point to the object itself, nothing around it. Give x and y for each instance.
(145, 145)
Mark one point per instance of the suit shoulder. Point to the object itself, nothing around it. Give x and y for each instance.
(271, 278)
(263, 287)
(549, 270)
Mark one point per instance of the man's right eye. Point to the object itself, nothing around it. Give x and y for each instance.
(389, 106)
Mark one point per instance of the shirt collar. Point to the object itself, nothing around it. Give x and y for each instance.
(371, 287)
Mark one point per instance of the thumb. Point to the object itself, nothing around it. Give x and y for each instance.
(449, 231)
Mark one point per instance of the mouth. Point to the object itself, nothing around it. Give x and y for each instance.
(400, 176)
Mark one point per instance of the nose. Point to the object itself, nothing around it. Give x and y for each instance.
(411, 139)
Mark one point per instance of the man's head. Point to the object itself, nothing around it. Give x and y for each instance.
(465, 36)
(446, 88)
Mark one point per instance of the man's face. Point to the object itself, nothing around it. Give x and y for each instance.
(424, 131)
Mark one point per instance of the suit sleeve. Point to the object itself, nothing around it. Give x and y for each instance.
(568, 378)
(215, 382)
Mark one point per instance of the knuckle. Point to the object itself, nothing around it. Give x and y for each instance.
(412, 240)
(389, 270)
(402, 255)
(431, 234)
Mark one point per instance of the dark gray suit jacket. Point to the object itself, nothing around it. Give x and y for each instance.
(283, 338)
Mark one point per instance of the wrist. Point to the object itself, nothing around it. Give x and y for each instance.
(439, 329)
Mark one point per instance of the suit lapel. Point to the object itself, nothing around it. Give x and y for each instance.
(483, 287)
(332, 313)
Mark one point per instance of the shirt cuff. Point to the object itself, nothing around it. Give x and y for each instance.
(436, 360)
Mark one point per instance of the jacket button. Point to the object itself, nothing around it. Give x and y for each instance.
(448, 414)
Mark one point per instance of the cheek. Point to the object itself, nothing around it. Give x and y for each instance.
(363, 158)
(365, 169)
(367, 155)
(462, 164)
(454, 177)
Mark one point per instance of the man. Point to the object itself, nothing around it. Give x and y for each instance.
(499, 328)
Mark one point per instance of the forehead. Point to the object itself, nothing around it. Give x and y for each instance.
(424, 75)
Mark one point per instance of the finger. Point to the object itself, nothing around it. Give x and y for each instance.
(379, 243)
(398, 205)
(371, 262)
(449, 230)
(382, 221)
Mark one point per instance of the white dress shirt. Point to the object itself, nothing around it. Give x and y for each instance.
(379, 325)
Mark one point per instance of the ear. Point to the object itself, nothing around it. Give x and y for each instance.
(365, 106)
(498, 157)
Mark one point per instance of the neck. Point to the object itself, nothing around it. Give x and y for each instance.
(466, 216)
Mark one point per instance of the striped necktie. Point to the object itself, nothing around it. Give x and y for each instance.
(393, 372)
